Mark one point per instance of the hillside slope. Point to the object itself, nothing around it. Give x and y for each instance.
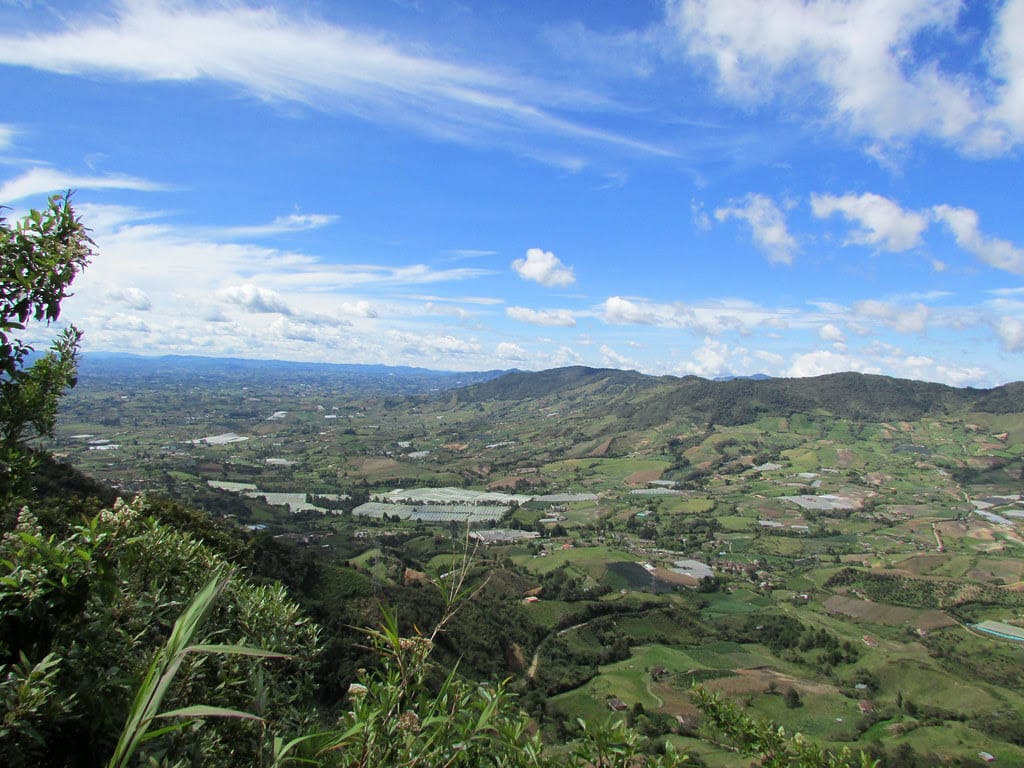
(646, 401)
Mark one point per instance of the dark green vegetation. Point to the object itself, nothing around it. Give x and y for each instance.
(814, 551)
(39, 258)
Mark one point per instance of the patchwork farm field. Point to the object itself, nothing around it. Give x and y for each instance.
(850, 545)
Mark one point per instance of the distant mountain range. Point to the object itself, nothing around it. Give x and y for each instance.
(651, 400)
(383, 378)
(641, 399)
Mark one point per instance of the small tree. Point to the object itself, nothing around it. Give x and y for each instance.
(792, 698)
(39, 258)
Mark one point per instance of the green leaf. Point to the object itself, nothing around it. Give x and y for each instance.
(205, 710)
(237, 650)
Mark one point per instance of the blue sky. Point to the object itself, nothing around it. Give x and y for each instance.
(676, 186)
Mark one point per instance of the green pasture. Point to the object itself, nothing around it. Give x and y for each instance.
(592, 561)
(629, 680)
(739, 602)
(822, 716)
(549, 613)
(948, 741)
(610, 473)
(710, 755)
(724, 654)
(692, 506)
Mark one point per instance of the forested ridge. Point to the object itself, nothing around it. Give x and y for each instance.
(643, 401)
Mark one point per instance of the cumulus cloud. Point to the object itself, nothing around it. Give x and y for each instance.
(883, 222)
(821, 362)
(544, 267)
(963, 223)
(829, 332)
(562, 318)
(613, 359)
(510, 352)
(358, 308)
(133, 297)
(864, 61)
(253, 298)
(1010, 331)
(767, 225)
(563, 356)
(714, 358)
(432, 347)
(1007, 57)
(622, 311)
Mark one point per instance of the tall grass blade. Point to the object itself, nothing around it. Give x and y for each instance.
(162, 670)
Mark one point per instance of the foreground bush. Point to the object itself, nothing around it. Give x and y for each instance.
(82, 616)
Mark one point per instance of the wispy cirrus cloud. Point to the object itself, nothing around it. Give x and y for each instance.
(280, 56)
(709, 317)
(293, 222)
(38, 181)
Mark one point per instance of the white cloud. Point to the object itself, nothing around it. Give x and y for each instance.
(562, 318)
(295, 222)
(544, 267)
(39, 181)
(829, 332)
(1007, 56)
(701, 220)
(716, 358)
(563, 356)
(120, 321)
(622, 311)
(480, 300)
(435, 348)
(443, 309)
(6, 136)
(884, 223)
(902, 319)
(863, 60)
(821, 362)
(282, 56)
(1010, 331)
(133, 297)
(255, 299)
(711, 317)
(471, 253)
(767, 224)
(510, 352)
(359, 308)
(963, 223)
(630, 53)
(613, 359)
